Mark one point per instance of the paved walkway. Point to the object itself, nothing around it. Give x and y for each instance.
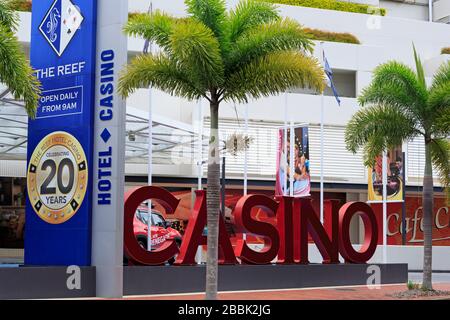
(330, 293)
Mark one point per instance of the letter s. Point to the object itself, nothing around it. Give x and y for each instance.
(242, 215)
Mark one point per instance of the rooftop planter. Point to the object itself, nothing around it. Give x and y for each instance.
(21, 5)
(333, 5)
(25, 5)
(322, 35)
(314, 34)
(445, 50)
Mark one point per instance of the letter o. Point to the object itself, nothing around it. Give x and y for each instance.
(104, 185)
(107, 55)
(369, 246)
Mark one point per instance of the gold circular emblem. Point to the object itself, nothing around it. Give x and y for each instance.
(57, 177)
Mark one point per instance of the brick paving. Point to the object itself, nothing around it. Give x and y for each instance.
(335, 293)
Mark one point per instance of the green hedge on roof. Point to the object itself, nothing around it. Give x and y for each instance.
(21, 5)
(333, 5)
(317, 34)
(25, 5)
(314, 34)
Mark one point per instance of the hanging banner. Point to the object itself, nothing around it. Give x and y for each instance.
(301, 174)
(60, 139)
(395, 183)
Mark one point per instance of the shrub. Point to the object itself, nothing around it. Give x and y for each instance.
(20, 5)
(317, 34)
(333, 5)
(131, 15)
(445, 50)
(412, 286)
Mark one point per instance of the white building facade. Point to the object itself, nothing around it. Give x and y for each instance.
(177, 123)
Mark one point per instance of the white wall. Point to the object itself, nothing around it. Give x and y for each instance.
(383, 39)
(441, 11)
(408, 10)
(392, 39)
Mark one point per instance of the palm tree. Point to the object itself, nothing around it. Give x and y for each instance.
(399, 106)
(219, 55)
(15, 70)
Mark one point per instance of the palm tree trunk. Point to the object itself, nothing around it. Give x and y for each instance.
(212, 204)
(427, 208)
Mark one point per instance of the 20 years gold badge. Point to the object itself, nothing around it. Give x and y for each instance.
(57, 177)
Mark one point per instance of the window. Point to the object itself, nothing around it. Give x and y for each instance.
(344, 81)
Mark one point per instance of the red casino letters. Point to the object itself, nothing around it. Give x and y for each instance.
(287, 242)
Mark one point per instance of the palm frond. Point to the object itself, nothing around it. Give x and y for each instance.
(281, 35)
(419, 69)
(249, 14)
(373, 148)
(160, 72)
(274, 73)
(442, 76)
(388, 95)
(441, 125)
(16, 73)
(212, 13)
(8, 17)
(440, 156)
(438, 101)
(195, 48)
(378, 128)
(155, 27)
(395, 84)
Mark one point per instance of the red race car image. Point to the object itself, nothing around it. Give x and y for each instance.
(161, 230)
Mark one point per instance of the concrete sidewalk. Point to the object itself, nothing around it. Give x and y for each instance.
(384, 292)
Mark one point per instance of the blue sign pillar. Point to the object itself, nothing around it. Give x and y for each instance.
(61, 137)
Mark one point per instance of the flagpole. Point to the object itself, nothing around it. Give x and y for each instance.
(150, 150)
(291, 159)
(150, 169)
(321, 140)
(200, 146)
(198, 255)
(384, 171)
(246, 152)
(244, 235)
(285, 145)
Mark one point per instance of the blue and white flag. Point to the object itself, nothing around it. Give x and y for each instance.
(330, 83)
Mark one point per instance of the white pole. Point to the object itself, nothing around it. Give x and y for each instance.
(430, 10)
(150, 152)
(198, 255)
(244, 235)
(150, 168)
(384, 171)
(246, 152)
(285, 144)
(292, 159)
(200, 146)
(321, 142)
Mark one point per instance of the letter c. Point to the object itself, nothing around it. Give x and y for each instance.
(437, 218)
(106, 115)
(133, 249)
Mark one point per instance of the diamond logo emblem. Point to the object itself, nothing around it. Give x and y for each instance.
(60, 25)
(105, 135)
